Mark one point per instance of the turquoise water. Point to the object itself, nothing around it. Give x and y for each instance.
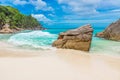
(33, 39)
(42, 40)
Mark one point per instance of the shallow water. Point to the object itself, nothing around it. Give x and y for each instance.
(42, 40)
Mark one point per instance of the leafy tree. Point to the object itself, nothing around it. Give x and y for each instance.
(16, 19)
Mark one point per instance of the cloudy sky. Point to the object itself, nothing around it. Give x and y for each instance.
(71, 11)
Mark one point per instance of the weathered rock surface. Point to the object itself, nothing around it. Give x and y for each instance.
(6, 29)
(112, 32)
(78, 39)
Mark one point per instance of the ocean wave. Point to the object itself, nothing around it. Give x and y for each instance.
(43, 40)
(35, 39)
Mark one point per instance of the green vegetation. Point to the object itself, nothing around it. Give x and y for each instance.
(16, 19)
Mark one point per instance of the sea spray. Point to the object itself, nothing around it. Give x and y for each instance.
(33, 39)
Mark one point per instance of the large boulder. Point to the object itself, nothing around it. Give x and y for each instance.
(78, 39)
(112, 32)
(6, 29)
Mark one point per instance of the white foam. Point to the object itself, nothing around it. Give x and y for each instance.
(36, 39)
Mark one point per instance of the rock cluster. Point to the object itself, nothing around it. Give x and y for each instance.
(78, 39)
(112, 32)
(6, 29)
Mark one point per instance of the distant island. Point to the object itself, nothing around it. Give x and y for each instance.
(11, 20)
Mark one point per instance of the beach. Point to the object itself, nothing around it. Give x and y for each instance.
(58, 64)
(59, 40)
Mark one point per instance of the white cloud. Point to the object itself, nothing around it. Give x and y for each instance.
(38, 4)
(51, 15)
(116, 10)
(88, 21)
(88, 5)
(77, 9)
(41, 17)
(20, 2)
(115, 14)
(109, 3)
(41, 5)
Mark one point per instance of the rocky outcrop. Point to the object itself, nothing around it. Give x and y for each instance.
(6, 29)
(78, 39)
(112, 32)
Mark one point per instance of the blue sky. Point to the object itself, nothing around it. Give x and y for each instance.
(69, 11)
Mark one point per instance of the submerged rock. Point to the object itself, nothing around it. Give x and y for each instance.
(6, 29)
(112, 32)
(78, 39)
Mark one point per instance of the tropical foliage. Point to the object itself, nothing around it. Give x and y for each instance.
(13, 17)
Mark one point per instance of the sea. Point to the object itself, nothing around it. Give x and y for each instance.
(43, 39)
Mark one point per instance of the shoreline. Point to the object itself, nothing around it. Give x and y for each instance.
(8, 50)
(59, 64)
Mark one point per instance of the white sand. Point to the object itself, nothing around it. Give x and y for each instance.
(17, 64)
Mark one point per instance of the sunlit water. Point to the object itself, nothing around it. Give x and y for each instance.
(42, 40)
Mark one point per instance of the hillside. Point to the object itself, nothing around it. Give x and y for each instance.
(16, 20)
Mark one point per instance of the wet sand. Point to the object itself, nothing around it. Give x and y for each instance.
(18, 64)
